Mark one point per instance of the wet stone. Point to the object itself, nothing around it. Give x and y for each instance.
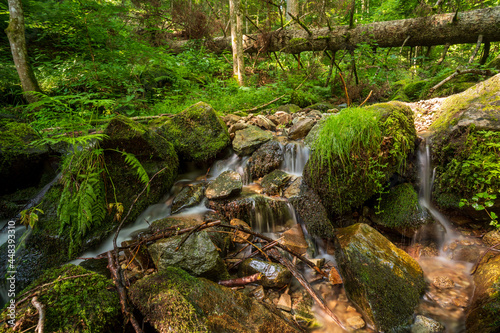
(275, 182)
(355, 322)
(275, 275)
(189, 196)
(443, 282)
(492, 238)
(426, 325)
(228, 183)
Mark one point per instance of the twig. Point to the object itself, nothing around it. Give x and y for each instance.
(478, 46)
(122, 293)
(198, 227)
(401, 50)
(274, 253)
(345, 89)
(476, 265)
(41, 314)
(369, 95)
(296, 19)
(241, 281)
(253, 254)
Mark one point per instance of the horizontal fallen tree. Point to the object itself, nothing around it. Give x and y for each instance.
(441, 29)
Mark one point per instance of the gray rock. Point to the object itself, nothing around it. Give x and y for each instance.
(426, 325)
(265, 159)
(228, 183)
(189, 196)
(382, 280)
(264, 123)
(274, 275)
(301, 128)
(197, 255)
(237, 127)
(246, 141)
(274, 182)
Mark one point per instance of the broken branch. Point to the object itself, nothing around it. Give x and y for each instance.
(241, 281)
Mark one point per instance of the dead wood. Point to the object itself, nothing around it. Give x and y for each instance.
(41, 314)
(285, 262)
(486, 72)
(241, 281)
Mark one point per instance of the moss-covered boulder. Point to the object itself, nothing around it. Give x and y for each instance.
(173, 301)
(482, 315)
(21, 165)
(465, 141)
(197, 255)
(400, 209)
(247, 140)
(357, 151)
(57, 237)
(267, 158)
(197, 133)
(383, 281)
(75, 300)
(274, 275)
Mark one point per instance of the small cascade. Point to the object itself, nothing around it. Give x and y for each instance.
(426, 174)
(233, 163)
(295, 156)
(271, 215)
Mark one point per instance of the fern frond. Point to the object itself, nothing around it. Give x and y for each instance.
(131, 160)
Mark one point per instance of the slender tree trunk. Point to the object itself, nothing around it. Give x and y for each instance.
(17, 40)
(237, 40)
(292, 7)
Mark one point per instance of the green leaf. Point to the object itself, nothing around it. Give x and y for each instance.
(488, 203)
(477, 206)
(493, 215)
(131, 160)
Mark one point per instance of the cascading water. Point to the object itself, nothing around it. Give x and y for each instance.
(295, 156)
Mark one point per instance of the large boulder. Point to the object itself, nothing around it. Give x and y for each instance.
(482, 315)
(357, 151)
(74, 299)
(465, 141)
(197, 255)
(173, 301)
(57, 237)
(247, 140)
(197, 133)
(382, 280)
(21, 165)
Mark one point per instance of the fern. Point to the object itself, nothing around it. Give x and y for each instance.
(131, 160)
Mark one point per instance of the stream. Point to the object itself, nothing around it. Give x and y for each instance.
(444, 303)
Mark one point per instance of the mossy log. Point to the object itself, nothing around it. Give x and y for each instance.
(441, 29)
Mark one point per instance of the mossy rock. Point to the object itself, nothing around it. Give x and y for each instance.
(289, 108)
(75, 300)
(382, 280)
(302, 98)
(50, 245)
(21, 165)
(400, 209)
(414, 89)
(357, 151)
(482, 314)
(174, 301)
(267, 158)
(495, 63)
(466, 134)
(197, 133)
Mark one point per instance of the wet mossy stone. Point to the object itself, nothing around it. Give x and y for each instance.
(274, 275)
(248, 140)
(197, 255)
(274, 182)
(482, 314)
(174, 301)
(267, 158)
(288, 108)
(322, 106)
(400, 209)
(21, 165)
(197, 133)
(465, 136)
(189, 196)
(382, 280)
(415, 89)
(357, 151)
(75, 300)
(226, 185)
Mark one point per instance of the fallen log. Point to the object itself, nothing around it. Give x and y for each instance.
(441, 29)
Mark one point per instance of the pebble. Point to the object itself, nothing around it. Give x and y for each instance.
(355, 322)
(443, 282)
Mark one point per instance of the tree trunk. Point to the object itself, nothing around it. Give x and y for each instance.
(17, 40)
(423, 31)
(292, 7)
(237, 40)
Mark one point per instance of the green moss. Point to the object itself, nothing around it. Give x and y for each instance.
(400, 208)
(84, 304)
(197, 133)
(296, 42)
(357, 151)
(302, 98)
(414, 89)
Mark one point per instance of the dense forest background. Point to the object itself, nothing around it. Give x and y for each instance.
(94, 59)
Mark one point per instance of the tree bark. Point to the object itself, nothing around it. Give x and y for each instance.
(423, 31)
(237, 40)
(17, 40)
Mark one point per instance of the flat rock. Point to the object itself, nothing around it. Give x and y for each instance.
(228, 184)
(247, 141)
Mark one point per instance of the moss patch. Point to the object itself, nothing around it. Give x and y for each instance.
(83, 304)
(197, 133)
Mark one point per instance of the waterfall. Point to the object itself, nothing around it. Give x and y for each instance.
(426, 174)
(295, 156)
